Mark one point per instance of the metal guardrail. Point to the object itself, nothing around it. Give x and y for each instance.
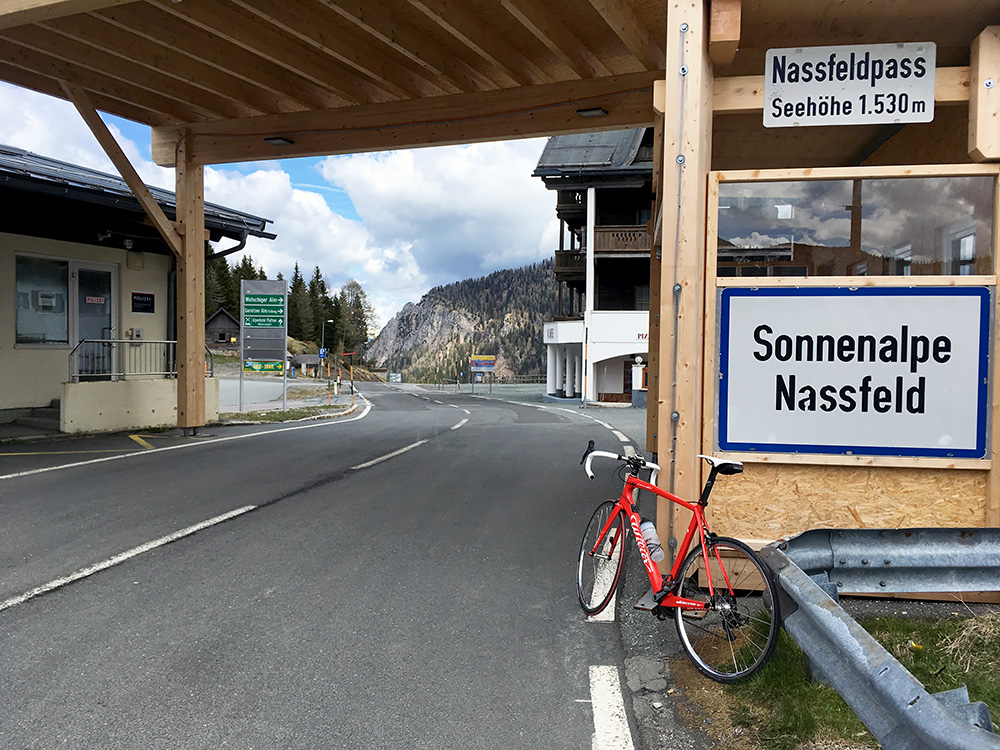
(127, 359)
(814, 567)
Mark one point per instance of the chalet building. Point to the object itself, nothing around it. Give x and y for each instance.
(597, 345)
(222, 331)
(91, 286)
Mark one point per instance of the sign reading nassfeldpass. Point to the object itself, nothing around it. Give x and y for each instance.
(855, 85)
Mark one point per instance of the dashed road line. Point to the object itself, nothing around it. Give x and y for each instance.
(118, 559)
(455, 427)
(611, 731)
(387, 456)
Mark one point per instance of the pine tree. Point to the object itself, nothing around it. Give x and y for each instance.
(357, 316)
(300, 320)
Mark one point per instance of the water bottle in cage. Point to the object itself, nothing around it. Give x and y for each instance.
(648, 529)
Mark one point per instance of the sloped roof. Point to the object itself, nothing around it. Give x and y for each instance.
(592, 152)
(25, 171)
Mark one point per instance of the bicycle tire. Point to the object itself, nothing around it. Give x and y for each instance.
(597, 575)
(737, 634)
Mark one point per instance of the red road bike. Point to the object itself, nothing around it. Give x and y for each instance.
(723, 597)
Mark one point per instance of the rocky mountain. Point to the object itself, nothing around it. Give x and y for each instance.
(499, 314)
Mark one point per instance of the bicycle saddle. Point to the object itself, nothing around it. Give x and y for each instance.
(724, 465)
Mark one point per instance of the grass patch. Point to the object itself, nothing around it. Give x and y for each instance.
(278, 415)
(783, 708)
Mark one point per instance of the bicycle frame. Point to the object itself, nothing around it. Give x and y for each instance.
(698, 523)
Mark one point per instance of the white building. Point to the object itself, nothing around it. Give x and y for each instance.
(597, 346)
(89, 342)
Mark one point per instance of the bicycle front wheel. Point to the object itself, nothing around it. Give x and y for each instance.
(737, 633)
(601, 557)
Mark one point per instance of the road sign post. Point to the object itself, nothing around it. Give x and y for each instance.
(263, 331)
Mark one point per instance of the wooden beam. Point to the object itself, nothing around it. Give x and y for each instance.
(52, 87)
(23, 12)
(99, 63)
(224, 24)
(549, 29)
(745, 94)
(476, 33)
(687, 153)
(315, 26)
(458, 118)
(221, 67)
(619, 16)
(190, 291)
(724, 37)
(984, 96)
(381, 23)
(89, 114)
(59, 70)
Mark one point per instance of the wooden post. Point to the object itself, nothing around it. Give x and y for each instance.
(984, 96)
(687, 144)
(190, 291)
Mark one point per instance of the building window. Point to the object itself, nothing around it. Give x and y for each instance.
(885, 226)
(42, 292)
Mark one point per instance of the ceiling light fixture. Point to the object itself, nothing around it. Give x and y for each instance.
(278, 140)
(592, 112)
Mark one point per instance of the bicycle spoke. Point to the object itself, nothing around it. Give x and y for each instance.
(738, 632)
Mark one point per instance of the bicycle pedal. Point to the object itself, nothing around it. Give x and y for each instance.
(648, 602)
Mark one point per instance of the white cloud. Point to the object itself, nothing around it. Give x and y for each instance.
(427, 216)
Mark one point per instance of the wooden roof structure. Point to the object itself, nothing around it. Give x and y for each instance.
(258, 79)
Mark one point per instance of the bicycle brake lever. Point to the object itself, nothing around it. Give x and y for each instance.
(590, 449)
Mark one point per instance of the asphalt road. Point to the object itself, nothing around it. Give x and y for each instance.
(400, 578)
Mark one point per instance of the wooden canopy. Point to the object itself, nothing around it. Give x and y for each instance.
(259, 79)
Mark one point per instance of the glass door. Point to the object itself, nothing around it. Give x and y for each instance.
(95, 323)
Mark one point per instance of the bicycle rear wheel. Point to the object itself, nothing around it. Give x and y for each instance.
(736, 635)
(601, 558)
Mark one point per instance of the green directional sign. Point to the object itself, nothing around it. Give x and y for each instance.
(264, 321)
(265, 299)
(252, 366)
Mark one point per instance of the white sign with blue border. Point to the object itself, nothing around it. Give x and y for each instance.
(870, 371)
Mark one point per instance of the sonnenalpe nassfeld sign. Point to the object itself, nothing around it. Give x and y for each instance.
(871, 371)
(850, 85)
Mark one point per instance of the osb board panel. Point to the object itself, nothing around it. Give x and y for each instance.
(772, 501)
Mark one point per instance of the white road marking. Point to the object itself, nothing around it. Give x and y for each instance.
(611, 730)
(455, 427)
(602, 423)
(608, 613)
(122, 557)
(387, 456)
(438, 402)
(629, 450)
(454, 406)
(466, 411)
(621, 436)
(133, 454)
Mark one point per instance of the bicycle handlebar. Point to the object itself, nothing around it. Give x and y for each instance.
(635, 462)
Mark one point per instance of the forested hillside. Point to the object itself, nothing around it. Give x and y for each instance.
(499, 314)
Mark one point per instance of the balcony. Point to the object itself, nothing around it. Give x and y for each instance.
(621, 239)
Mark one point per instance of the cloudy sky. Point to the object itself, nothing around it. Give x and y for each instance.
(399, 222)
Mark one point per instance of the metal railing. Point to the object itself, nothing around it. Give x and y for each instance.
(125, 359)
(813, 568)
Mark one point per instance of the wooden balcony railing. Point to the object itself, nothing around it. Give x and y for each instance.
(621, 238)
